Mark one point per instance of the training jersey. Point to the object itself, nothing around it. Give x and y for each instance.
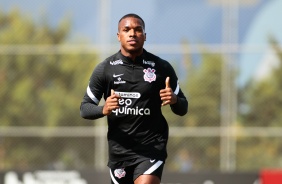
(138, 128)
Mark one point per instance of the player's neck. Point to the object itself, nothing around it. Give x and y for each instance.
(131, 55)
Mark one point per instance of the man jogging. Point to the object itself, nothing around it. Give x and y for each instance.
(135, 85)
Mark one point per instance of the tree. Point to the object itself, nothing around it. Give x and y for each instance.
(204, 86)
(263, 100)
(203, 90)
(40, 89)
(264, 97)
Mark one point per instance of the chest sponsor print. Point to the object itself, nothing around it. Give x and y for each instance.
(149, 75)
(127, 106)
(117, 62)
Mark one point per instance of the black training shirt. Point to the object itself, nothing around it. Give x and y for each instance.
(138, 128)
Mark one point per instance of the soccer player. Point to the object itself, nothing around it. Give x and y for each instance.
(135, 85)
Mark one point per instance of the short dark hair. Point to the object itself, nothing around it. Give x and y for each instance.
(133, 15)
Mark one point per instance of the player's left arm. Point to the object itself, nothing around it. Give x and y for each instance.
(173, 95)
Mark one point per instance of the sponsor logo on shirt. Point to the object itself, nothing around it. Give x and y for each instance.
(114, 75)
(119, 81)
(128, 94)
(152, 63)
(132, 111)
(126, 104)
(149, 75)
(117, 62)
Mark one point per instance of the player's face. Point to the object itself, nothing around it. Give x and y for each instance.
(131, 35)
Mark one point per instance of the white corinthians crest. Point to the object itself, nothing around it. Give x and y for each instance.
(120, 173)
(149, 75)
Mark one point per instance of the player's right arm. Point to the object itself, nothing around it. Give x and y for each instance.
(111, 103)
(98, 85)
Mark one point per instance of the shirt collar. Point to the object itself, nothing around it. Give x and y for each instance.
(139, 59)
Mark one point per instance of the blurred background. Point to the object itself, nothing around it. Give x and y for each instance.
(227, 54)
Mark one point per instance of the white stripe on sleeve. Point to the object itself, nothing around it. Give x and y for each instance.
(91, 95)
(177, 88)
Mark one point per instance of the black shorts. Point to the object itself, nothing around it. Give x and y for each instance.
(127, 175)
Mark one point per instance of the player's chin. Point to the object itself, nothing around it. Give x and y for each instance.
(134, 48)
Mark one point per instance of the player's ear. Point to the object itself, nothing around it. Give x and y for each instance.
(118, 37)
(145, 36)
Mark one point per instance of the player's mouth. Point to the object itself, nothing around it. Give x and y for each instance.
(132, 42)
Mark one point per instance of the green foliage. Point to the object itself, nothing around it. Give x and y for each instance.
(264, 106)
(264, 97)
(203, 91)
(204, 88)
(41, 89)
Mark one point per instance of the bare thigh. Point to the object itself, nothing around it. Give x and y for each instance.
(147, 179)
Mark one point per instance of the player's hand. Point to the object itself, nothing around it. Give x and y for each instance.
(111, 103)
(167, 95)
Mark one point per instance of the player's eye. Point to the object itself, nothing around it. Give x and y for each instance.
(138, 30)
(125, 29)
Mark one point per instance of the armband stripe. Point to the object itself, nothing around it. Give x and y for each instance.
(91, 95)
(176, 91)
